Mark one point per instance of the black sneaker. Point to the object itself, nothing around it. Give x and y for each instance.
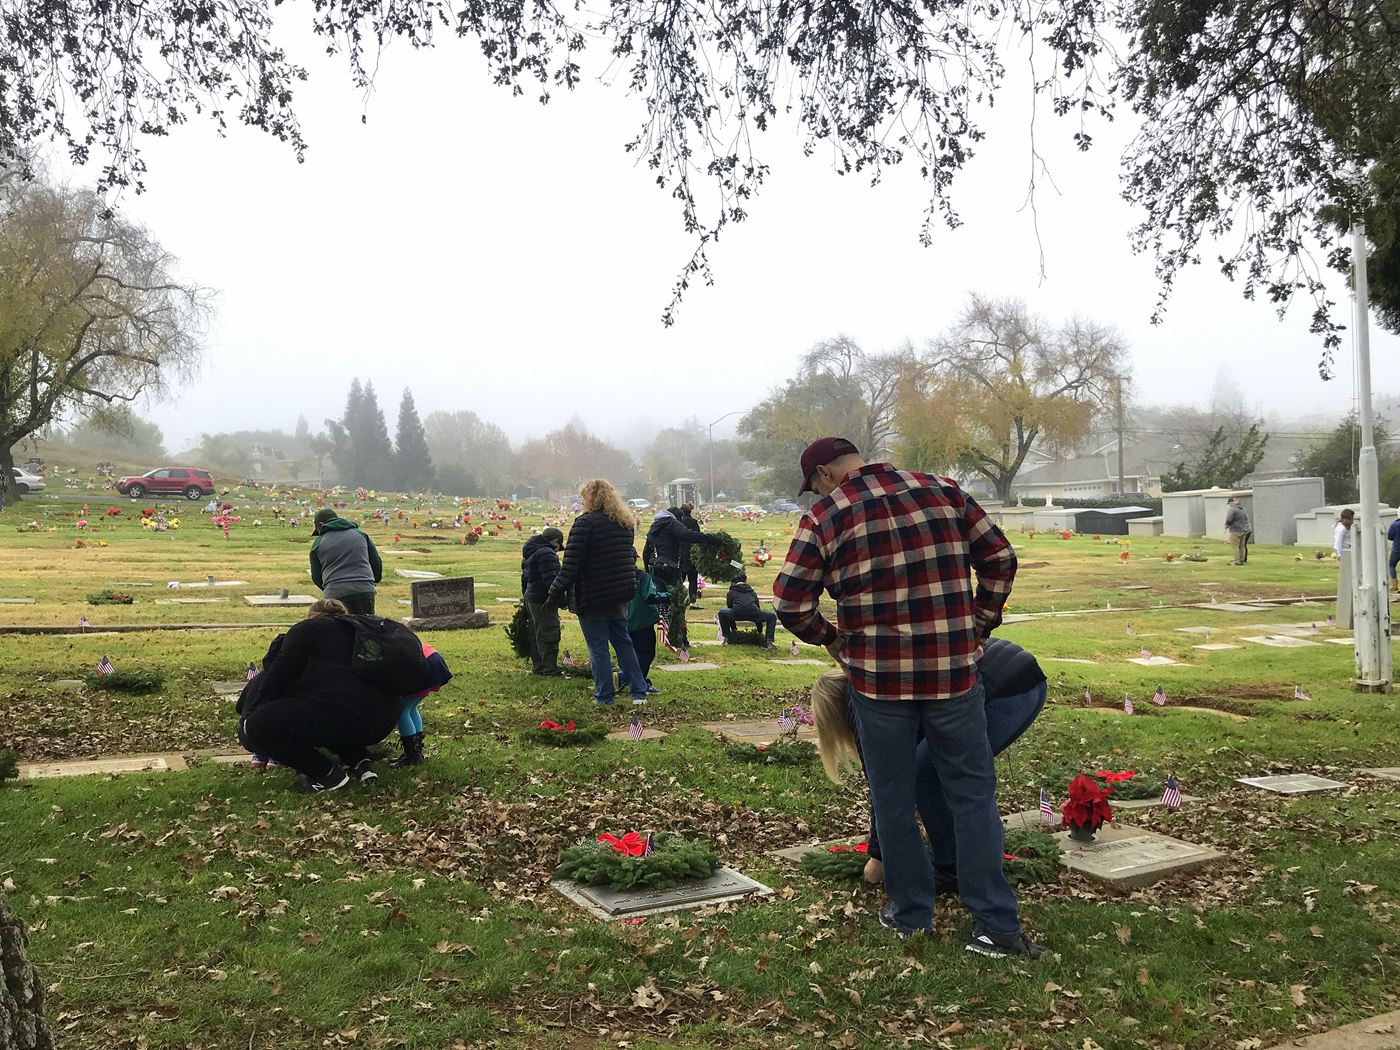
(888, 921)
(364, 771)
(1001, 946)
(334, 780)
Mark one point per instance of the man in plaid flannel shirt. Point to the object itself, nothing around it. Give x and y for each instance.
(897, 551)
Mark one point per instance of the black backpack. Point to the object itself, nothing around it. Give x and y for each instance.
(387, 655)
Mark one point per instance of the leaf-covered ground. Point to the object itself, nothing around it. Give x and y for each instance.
(214, 909)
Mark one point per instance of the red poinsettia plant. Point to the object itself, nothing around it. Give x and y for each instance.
(1087, 806)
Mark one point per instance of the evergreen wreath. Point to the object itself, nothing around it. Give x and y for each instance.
(9, 765)
(127, 681)
(836, 862)
(1030, 857)
(781, 752)
(618, 865)
(518, 631)
(566, 734)
(712, 562)
(108, 596)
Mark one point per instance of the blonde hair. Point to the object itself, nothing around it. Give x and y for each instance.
(600, 495)
(836, 740)
(326, 607)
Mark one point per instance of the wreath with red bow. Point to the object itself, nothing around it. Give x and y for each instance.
(564, 734)
(622, 862)
(783, 751)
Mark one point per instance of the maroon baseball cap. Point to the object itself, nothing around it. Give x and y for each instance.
(821, 452)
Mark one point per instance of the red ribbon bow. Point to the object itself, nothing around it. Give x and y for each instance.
(632, 844)
(551, 724)
(859, 847)
(1113, 778)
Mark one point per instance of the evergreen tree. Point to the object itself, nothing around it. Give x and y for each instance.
(342, 434)
(303, 432)
(413, 464)
(371, 441)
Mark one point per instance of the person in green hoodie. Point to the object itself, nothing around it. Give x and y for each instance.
(643, 614)
(344, 562)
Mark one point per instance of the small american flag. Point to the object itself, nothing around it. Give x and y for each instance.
(1298, 693)
(792, 648)
(1129, 630)
(1088, 696)
(651, 845)
(568, 660)
(1160, 697)
(1314, 628)
(104, 666)
(1171, 794)
(684, 656)
(1046, 810)
(252, 671)
(1127, 704)
(1212, 600)
(1144, 652)
(1331, 621)
(83, 623)
(785, 722)
(663, 630)
(634, 731)
(1108, 606)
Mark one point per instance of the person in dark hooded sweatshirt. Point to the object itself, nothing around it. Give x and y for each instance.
(688, 570)
(344, 562)
(668, 542)
(539, 564)
(742, 604)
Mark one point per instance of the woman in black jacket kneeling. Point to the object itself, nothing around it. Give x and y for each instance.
(308, 698)
(599, 564)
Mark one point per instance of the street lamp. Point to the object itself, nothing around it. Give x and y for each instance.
(711, 430)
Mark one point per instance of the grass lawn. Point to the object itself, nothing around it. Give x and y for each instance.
(214, 909)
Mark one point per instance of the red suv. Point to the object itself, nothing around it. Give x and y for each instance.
(168, 481)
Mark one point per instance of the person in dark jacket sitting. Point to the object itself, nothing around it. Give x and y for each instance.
(1015, 689)
(308, 697)
(742, 604)
(668, 541)
(599, 566)
(539, 564)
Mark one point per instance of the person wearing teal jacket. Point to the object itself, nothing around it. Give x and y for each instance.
(643, 614)
(344, 562)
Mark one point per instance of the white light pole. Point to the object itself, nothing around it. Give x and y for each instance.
(1372, 620)
(711, 430)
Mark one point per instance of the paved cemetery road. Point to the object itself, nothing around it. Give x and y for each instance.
(111, 496)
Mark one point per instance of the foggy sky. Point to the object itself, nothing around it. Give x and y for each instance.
(512, 259)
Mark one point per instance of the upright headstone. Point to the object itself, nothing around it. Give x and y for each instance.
(446, 604)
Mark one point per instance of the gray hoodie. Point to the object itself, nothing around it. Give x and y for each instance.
(344, 560)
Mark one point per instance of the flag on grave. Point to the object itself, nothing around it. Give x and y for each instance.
(1160, 697)
(792, 648)
(785, 722)
(1046, 810)
(252, 671)
(1127, 704)
(1298, 693)
(1129, 630)
(104, 666)
(1144, 653)
(1171, 794)
(1088, 696)
(634, 731)
(651, 845)
(684, 656)
(83, 623)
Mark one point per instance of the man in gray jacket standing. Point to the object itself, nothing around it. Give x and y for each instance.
(344, 562)
(1238, 528)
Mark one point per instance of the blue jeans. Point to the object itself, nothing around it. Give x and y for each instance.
(597, 634)
(1007, 718)
(956, 732)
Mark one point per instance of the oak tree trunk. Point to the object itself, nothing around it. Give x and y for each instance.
(21, 993)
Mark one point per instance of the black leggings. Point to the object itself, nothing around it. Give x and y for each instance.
(292, 729)
(644, 641)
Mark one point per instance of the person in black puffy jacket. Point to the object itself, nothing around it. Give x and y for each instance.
(742, 604)
(668, 541)
(539, 564)
(599, 564)
(308, 697)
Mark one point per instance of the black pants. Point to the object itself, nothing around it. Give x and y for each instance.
(293, 729)
(728, 617)
(359, 603)
(644, 641)
(692, 579)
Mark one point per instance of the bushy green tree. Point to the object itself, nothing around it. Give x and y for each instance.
(1223, 463)
(413, 466)
(1332, 456)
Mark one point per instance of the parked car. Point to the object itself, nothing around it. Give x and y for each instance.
(27, 482)
(783, 506)
(639, 504)
(168, 481)
(747, 508)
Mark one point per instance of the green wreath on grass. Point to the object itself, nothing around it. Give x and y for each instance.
(836, 862)
(1028, 857)
(108, 596)
(127, 681)
(781, 752)
(519, 634)
(564, 734)
(623, 864)
(713, 561)
(9, 765)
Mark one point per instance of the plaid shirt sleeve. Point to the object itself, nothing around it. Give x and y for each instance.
(798, 589)
(993, 562)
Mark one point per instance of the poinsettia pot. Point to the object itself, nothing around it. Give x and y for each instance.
(1081, 833)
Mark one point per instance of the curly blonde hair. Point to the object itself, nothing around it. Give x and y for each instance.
(600, 495)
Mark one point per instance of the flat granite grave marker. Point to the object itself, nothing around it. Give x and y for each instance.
(1279, 641)
(1217, 647)
(794, 854)
(647, 734)
(1375, 1033)
(802, 663)
(418, 574)
(229, 688)
(694, 665)
(1153, 661)
(1292, 783)
(87, 767)
(1197, 630)
(444, 604)
(277, 599)
(1391, 773)
(1233, 607)
(1340, 641)
(126, 583)
(724, 885)
(16, 601)
(1137, 859)
(190, 601)
(1068, 660)
(1135, 587)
